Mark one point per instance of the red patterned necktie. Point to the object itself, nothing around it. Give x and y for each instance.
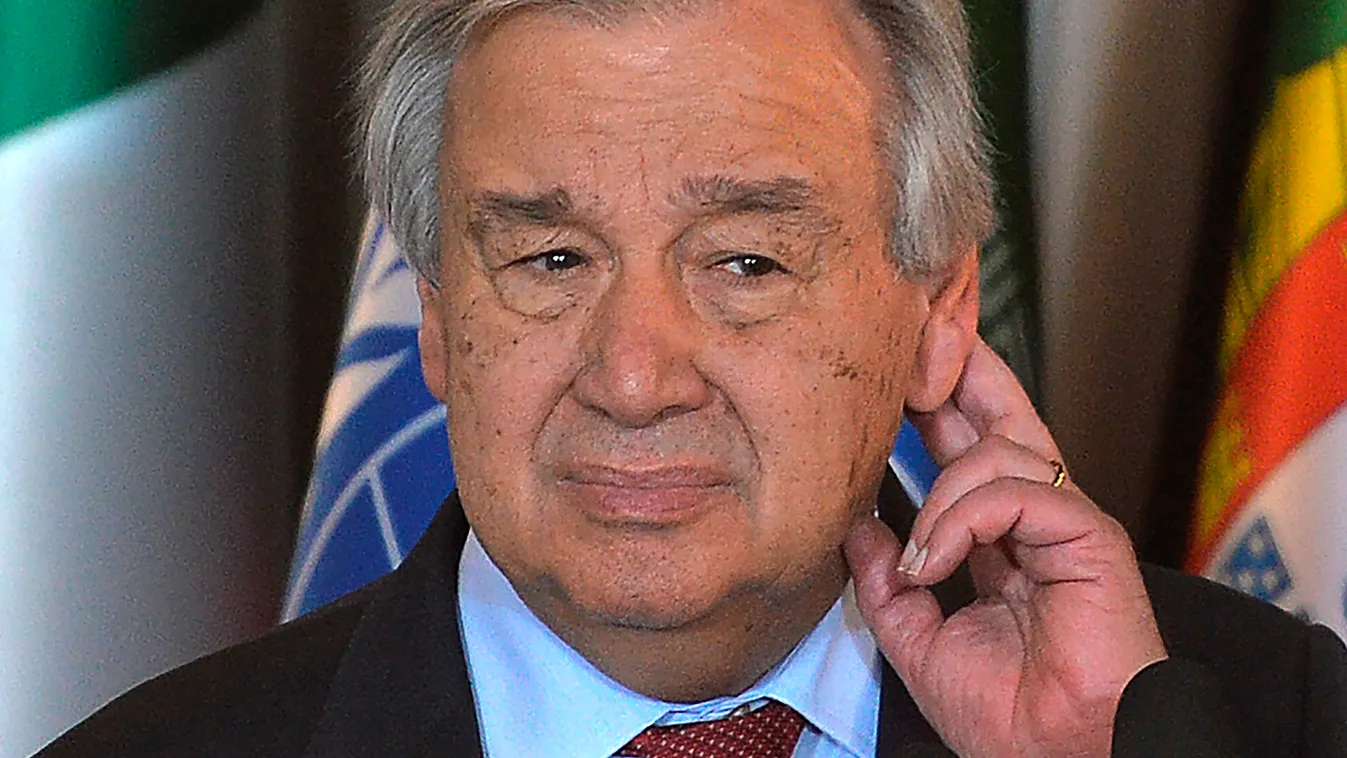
(767, 732)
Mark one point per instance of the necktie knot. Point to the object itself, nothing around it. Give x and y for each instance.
(767, 732)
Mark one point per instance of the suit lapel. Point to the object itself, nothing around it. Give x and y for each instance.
(402, 689)
(903, 731)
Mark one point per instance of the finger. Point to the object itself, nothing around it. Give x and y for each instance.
(945, 432)
(872, 552)
(904, 618)
(991, 401)
(992, 458)
(1097, 553)
(1053, 535)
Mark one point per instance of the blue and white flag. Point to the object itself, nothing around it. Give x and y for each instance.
(382, 466)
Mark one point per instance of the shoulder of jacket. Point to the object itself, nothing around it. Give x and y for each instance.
(261, 697)
(1269, 665)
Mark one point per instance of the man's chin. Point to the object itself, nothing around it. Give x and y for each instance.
(646, 620)
(646, 609)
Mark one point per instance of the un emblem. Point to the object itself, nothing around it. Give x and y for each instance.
(382, 466)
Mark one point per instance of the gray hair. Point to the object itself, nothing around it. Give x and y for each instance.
(931, 130)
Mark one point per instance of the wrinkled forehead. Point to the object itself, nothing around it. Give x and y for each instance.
(754, 88)
(670, 57)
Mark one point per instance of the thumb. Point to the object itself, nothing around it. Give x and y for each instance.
(904, 617)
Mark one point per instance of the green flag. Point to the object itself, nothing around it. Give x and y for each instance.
(1009, 287)
(56, 55)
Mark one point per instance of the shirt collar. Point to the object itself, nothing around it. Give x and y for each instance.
(536, 695)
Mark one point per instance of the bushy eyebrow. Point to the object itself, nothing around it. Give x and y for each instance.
(496, 209)
(714, 195)
(724, 195)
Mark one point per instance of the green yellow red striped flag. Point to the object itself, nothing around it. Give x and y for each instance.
(1271, 515)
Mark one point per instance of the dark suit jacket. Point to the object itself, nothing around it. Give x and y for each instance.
(381, 673)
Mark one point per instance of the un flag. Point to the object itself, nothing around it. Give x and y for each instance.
(382, 466)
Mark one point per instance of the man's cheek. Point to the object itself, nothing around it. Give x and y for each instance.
(510, 379)
(857, 407)
(795, 396)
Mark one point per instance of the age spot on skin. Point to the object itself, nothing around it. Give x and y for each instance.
(846, 371)
(842, 366)
(466, 388)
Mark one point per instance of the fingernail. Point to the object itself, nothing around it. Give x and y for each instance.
(909, 557)
(921, 560)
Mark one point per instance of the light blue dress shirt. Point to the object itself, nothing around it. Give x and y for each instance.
(536, 696)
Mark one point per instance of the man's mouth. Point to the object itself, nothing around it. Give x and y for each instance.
(651, 496)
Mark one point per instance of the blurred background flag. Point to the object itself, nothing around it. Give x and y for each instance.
(56, 55)
(1271, 511)
(382, 466)
(143, 428)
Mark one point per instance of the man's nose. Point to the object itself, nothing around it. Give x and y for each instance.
(640, 352)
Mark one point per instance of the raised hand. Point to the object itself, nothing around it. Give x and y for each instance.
(1036, 666)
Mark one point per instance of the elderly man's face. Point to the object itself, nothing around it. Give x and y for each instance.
(672, 341)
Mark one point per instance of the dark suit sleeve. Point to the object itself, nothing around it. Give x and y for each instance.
(1326, 696)
(1175, 708)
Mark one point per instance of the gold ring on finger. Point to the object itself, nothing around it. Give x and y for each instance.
(1059, 478)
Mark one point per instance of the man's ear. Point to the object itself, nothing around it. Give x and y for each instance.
(434, 356)
(949, 335)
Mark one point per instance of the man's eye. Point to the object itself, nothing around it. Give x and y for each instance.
(555, 261)
(749, 266)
